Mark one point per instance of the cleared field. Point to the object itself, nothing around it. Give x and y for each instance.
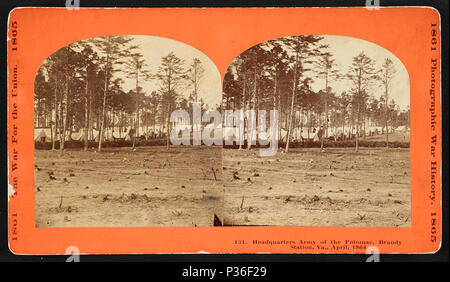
(119, 187)
(186, 186)
(307, 188)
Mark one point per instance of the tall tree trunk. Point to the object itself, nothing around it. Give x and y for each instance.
(274, 106)
(280, 115)
(60, 118)
(358, 109)
(386, 116)
(105, 91)
(86, 116)
(357, 130)
(250, 135)
(120, 123)
(36, 116)
(244, 104)
(154, 122)
(91, 125)
(136, 124)
(70, 126)
(364, 126)
(168, 125)
(54, 117)
(300, 118)
(294, 86)
(309, 124)
(65, 114)
(322, 136)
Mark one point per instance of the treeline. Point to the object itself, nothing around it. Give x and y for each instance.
(278, 74)
(79, 88)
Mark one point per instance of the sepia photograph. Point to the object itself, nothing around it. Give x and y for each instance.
(214, 130)
(343, 130)
(105, 125)
(102, 151)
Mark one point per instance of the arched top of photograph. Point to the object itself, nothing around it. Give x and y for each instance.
(150, 65)
(337, 65)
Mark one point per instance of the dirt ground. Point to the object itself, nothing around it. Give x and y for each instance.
(307, 188)
(118, 187)
(156, 187)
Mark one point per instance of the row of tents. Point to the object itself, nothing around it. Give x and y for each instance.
(301, 134)
(45, 135)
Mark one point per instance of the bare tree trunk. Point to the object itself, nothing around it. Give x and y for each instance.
(321, 141)
(86, 117)
(364, 126)
(358, 109)
(154, 122)
(255, 89)
(309, 123)
(280, 115)
(65, 114)
(168, 125)
(275, 93)
(136, 121)
(37, 111)
(105, 91)
(244, 104)
(60, 118)
(120, 123)
(70, 125)
(294, 86)
(387, 114)
(357, 130)
(91, 125)
(55, 117)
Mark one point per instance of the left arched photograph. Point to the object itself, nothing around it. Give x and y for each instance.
(102, 124)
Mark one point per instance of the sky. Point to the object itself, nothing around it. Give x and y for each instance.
(345, 48)
(154, 48)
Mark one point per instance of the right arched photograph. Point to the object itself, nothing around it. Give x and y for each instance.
(339, 125)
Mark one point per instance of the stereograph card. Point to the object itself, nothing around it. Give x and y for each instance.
(224, 130)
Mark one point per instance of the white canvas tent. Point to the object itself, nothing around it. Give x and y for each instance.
(42, 135)
(126, 135)
(312, 135)
(401, 128)
(78, 136)
(283, 134)
(92, 135)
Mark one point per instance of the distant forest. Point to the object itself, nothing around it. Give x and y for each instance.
(277, 74)
(77, 89)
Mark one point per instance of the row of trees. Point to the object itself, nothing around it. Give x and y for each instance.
(278, 75)
(80, 87)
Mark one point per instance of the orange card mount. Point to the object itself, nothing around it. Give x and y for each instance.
(99, 100)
